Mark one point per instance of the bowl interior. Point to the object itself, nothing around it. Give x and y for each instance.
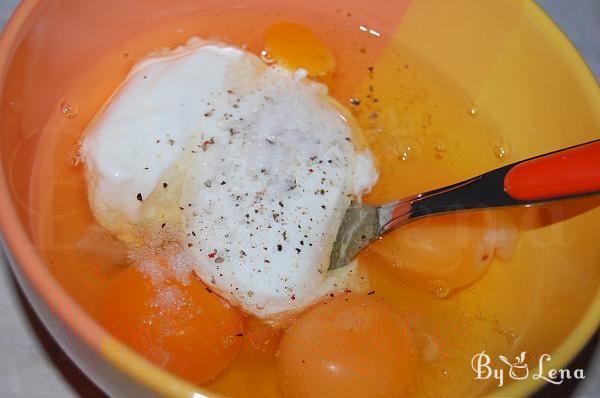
(506, 56)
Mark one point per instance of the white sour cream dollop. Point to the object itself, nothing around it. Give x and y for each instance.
(253, 164)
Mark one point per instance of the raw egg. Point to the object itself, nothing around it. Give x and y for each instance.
(186, 329)
(350, 346)
(295, 47)
(449, 251)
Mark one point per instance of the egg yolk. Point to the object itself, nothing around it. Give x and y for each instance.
(350, 346)
(446, 252)
(185, 329)
(295, 46)
(439, 253)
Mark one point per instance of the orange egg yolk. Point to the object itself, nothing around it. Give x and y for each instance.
(351, 346)
(449, 249)
(186, 329)
(295, 46)
(439, 253)
(446, 252)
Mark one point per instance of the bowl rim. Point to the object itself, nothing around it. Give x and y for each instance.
(30, 263)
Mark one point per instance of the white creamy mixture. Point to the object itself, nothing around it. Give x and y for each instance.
(253, 164)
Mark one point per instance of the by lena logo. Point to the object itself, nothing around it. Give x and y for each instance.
(519, 369)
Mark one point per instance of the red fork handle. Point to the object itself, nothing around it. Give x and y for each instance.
(568, 172)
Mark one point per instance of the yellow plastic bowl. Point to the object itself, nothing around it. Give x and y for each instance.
(505, 54)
